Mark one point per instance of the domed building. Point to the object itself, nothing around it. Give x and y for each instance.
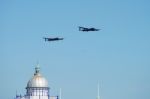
(37, 88)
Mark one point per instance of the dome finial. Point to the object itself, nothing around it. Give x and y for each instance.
(37, 68)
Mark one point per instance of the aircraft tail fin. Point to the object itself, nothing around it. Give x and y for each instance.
(80, 28)
(45, 39)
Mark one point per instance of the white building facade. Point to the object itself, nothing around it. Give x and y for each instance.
(37, 88)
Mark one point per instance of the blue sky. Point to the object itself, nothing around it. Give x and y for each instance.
(118, 56)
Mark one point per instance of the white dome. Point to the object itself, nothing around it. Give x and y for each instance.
(37, 80)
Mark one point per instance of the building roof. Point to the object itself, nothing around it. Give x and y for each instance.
(37, 80)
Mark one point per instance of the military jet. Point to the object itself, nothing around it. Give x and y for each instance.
(53, 39)
(87, 29)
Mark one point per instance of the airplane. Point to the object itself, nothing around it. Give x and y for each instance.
(53, 39)
(87, 29)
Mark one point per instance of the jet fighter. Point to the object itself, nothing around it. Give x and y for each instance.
(53, 39)
(87, 29)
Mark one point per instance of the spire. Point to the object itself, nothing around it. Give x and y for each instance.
(37, 68)
(98, 96)
(16, 94)
(60, 93)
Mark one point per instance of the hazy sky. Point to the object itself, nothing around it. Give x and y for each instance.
(118, 56)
